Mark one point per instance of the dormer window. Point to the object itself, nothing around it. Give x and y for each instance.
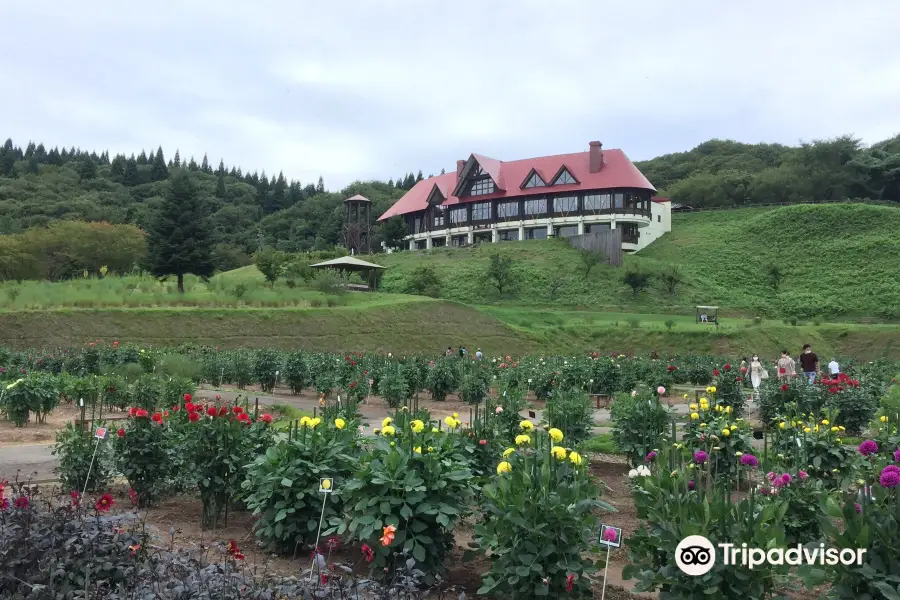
(481, 186)
(534, 181)
(564, 178)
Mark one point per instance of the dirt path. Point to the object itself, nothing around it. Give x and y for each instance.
(31, 461)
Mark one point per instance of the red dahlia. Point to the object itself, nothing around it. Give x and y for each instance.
(104, 503)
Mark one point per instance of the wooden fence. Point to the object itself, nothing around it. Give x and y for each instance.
(608, 244)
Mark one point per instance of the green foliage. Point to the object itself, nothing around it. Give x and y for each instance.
(637, 280)
(271, 263)
(424, 282)
(37, 393)
(569, 410)
(501, 273)
(417, 484)
(330, 282)
(589, 260)
(443, 377)
(142, 456)
(179, 238)
(393, 386)
(64, 250)
(670, 511)
(875, 527)
(74, 450)
(282, 485)
(266, 365)
(540, 521)
(640, 424)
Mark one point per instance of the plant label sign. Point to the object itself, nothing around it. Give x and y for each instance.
(326, 485)
(610, 536)
(100, 433)
(531, 414)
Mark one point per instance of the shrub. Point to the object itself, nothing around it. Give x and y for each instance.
(675, 501)
(282, 485)
(407, 495)
(636, 279)
(569, 410)
(224, 445)
(329, 282)
(640, 423)
(36, 393)
(872, 523)
(296, 373)
(266, 365)
(392, 386)
(540, 521)
(424, 281)
(142, 456)
(442, 378)
(474, 386)
(74, 450)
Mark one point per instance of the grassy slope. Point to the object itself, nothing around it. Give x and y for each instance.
(827, 253)
(849, 269)
(415, 326)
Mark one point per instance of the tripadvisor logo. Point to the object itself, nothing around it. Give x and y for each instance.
(695, 555)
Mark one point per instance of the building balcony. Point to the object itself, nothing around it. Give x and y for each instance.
(418, 229)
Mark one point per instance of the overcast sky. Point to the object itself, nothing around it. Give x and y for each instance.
(372, 89)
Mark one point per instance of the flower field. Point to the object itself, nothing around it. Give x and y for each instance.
(498, 499)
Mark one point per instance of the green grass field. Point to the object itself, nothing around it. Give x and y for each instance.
(827, 253)
(841, 278)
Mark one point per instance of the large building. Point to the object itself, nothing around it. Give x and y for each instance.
(487, 200)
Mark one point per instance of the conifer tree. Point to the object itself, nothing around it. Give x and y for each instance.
(177, 159)
(419, 176)
(142, 158)
(178, 241)
(220, 186)
(221, 169)
(204, 165)
(320, 186)
(192, 165)
(159, 171)
(131, 177)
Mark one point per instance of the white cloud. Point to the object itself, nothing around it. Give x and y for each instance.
(370, 88)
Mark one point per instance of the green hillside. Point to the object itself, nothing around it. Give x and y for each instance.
(839, 262)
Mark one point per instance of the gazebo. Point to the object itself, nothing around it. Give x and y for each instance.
(351, 264)
(708, 314)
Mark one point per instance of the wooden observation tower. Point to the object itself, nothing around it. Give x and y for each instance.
(358, 224)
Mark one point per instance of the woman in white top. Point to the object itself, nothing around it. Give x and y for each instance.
(756, 369)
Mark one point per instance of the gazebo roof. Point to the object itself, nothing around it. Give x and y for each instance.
(348, 263)
(357, 198)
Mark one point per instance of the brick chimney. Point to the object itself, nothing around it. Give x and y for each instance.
(596, 156)
(460, 165)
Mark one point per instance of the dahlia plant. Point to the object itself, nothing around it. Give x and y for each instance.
(690, 501)
(407, 494)
(282, 485)
(540, 520)
(722, 435)
(870, 521)
(640, 423)
(141, 454)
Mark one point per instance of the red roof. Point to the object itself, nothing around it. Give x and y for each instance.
(617, 172)
(660, 199)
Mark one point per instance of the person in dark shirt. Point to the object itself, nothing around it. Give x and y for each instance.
(809, 362)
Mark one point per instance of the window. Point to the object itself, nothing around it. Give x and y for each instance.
(565, 204)
(619, 201)
(438, 242)
(567, 231)
(597, 227)
(482, 238)
(459, 240)
(659, 218)
(509, 235)
(481, 211)
(536, 207)
(458, 215)
(596, 202)
(538, 233)
(564, 178)
(480, 187)
(439, 221)
(508, 209)
(534, 181)
(419, 225)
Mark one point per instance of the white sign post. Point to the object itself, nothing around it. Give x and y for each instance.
(99, 434)
(614, 543)
(326, 486)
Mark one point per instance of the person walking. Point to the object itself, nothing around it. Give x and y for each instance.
(809, 362)
(787, 368)
(834, 368)
(756, 374)
(478, 354)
